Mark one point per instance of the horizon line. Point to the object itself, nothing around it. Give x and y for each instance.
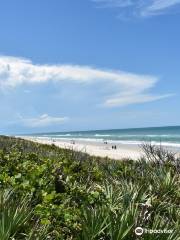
(131, 128)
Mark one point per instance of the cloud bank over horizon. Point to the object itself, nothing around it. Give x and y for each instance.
(126, 88)
(42, 121)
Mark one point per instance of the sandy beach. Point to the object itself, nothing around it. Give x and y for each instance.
(122, 151)
(101, 149)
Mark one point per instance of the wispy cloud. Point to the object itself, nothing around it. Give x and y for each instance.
(140, 8)
(158, 7)
(127, 88)
(114, 3)
(42, 121)
(129, 99)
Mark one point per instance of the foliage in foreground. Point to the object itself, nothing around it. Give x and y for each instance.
(61, 194)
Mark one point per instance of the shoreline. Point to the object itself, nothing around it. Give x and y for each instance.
(98, 149)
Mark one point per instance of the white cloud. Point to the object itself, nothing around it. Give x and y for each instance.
(43, 121)
(162, 4)
(158, 7)
(128, 88)
(128, 99)
(141, 8)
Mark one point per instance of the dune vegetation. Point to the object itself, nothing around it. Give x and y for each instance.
(52, 193)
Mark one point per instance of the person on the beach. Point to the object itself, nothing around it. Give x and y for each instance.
(72, 142)
(114, 147)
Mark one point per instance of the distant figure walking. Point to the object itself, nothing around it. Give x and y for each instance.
(72, 142)
(114, 147)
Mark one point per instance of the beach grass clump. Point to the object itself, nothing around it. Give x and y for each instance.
(62, 194)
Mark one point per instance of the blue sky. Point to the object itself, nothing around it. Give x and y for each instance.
(88, 64)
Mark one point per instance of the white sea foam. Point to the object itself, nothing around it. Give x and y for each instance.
(100, 140)
(120, 135)
(103, 135)
(63, 135)
(127, 142)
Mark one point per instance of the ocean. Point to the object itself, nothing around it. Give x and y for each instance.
(168, 136)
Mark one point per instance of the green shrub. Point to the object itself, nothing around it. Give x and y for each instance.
(75, 196)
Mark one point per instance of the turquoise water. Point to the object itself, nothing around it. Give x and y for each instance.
(164, 135)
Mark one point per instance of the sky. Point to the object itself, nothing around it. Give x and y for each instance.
(88, 64)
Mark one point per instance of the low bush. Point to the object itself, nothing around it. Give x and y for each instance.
(62, 194)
